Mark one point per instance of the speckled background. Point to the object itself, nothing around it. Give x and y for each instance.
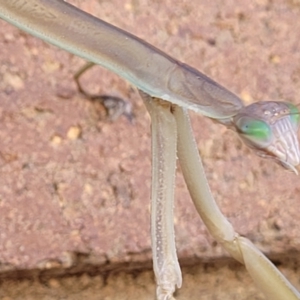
(75, 187)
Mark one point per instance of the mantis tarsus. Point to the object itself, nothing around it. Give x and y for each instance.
(171, 87)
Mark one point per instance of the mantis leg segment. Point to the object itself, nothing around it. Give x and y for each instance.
(264, 273)
(77, 76)
(198, 187)
(164, 137)
(114, 106)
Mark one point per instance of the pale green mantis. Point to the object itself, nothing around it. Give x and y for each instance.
(187, 88)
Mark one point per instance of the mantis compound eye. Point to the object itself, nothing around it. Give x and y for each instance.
(271, 129)
(256, 132)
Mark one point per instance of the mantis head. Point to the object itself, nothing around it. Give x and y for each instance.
(271, 129)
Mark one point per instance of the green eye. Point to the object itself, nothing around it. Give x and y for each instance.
(294, 114)
(255, 130)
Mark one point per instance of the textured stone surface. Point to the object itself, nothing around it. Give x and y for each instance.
(74, 185)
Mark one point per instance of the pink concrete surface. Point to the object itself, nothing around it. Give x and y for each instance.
(72, 182)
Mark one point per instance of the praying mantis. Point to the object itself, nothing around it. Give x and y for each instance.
(169, 276)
